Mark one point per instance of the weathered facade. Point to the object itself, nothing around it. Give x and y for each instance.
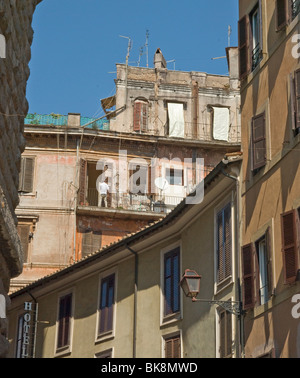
(269, 68)
(125, 301)
(60, 218)
(16, 37)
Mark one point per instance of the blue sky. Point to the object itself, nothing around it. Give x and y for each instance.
(77, 44)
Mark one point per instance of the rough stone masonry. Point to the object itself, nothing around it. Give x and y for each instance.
(16, 38)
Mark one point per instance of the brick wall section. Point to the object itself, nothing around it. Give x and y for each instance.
(15, 26)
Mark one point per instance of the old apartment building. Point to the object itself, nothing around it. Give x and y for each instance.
(16, 38)
(157, 127)
(269, 71)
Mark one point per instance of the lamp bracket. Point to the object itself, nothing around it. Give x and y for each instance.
(233, 307)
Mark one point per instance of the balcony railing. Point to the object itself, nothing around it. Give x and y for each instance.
(295, 8)
(256, 56)
(133, 202)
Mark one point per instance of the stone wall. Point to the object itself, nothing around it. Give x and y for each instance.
(16, 38)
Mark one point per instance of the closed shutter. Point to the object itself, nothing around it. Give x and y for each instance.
(171, 282)
(293, 101)
(258, 142)
(82, 181)
(244, 46)
(297, 99)
(144, 117)
(225, 327)
(281, 14)
(91, 242)
(289, 246)
(172, 347)
(23, 231)
(248, 277)
(137, 116)
(26, 175)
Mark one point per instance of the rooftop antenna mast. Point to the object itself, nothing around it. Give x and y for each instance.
(229, 34)
(146, 44)
(129, 47)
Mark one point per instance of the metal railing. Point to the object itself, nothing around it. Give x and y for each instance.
(133, 202)
(295, 8)
(256, 56)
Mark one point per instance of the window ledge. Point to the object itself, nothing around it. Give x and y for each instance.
(63, 351)
(104, 337)
(219, 287)
(171, 319)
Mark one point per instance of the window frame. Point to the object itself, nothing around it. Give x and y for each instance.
(175, 316)
(109, 334)
(140, 116)
(171, 337)
(220, 284)
(65, 349)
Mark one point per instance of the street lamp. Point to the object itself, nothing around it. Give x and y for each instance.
(190, 284)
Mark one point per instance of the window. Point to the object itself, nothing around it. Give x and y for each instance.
(138, 178)
(225, 334)
(91, 242)
(257, 271)
(250, 41)
(264, 268)
(286, 11)
(19, 341)
(175, 176)
(224, 243)
(64, 321)
(295, 101)
(105, 354)
(140, 116)
(258, 142)
(106, 307)
(26, 175)
(171, 282)
(176, 120)
(172, 347)
(290, 245)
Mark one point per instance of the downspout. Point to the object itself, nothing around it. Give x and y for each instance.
(135, 299)
(236, 179)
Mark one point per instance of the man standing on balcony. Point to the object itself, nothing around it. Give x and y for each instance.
(103, 189)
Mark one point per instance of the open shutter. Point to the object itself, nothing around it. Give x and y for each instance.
(281, 14)
(82, 181)
(269, 261)
(137, 109)
(248, 277)
(244, 46)
(258, 141)
(23, 231)
(289, 246)
(297, 98)
(26, 175)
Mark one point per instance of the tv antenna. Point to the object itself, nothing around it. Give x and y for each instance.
(229, 35)
(129, 47)
(142, 50)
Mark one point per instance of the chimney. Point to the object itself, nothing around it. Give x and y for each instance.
(74, 119)
(233, 66)
(159, 60)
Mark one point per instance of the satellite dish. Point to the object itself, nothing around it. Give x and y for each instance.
(161, 183)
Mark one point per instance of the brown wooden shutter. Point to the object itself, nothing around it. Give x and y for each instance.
(97, 240)
(82, 181)
(228, 334)
(23, 231)
(248, 277)
(172, 347)
(64, 320)
(289, 246)
(220, 247)
(144, 116)
(297, 98)
(87, 242)
(244, 46)
(293, 101)
(137, 110)
(281, 14)
(258, 141)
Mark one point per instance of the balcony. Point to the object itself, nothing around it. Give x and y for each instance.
(125, 203)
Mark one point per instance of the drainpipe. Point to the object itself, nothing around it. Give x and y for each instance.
(236, 179)
(135, 298)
